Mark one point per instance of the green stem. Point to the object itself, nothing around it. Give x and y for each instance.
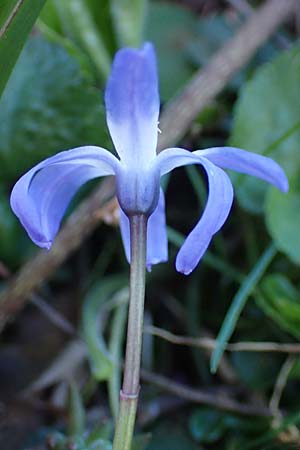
(131, 382)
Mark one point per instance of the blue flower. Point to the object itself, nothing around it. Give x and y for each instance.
(41, 196)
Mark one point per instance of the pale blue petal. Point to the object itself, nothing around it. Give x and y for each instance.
(41, 196)
(218, 206)
(216, 211)
(132, 104)
(171, 158)
(125, 233)
(247, 162)
(157, 241)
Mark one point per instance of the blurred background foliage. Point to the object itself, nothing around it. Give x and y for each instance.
(246, 287)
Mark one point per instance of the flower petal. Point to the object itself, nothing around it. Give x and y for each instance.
(132, 104)
(217, 209)
(247, 162)
(216, 212)
(157, 241)
(41, 196)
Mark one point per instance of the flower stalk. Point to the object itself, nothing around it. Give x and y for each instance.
(131, 382)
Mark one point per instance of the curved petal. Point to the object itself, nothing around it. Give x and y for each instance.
(216, 211)
(247, 162)
(41, 196)
(171, 158)
(157, 241)
(218, 206)
(132, 104)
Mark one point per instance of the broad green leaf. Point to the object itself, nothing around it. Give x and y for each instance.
(280, 300)
(268, 112)
(283, 219)
(16, 21)
(128, 19)
(269, 106)
(47, 106)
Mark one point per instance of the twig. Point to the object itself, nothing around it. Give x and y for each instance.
(209, 82)
(80, 224)
(209, 344)
(200, 396)
(175, 121)
(243, 7)
(280, 385)
(53, 315)
(10, 18)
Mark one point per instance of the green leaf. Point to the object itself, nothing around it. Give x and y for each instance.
(17, 18)
(140, 441)
(116, 340)
(256, 370)
(280, 300)
(238, 303)
(267, 107)
(47, 106)
(15, 246)
(100, 358)
(76, 411)
(171, 437)
(80, 21)
(128, 19)
(267, 121)
(207, 425)
(171, 28)
(283, 219)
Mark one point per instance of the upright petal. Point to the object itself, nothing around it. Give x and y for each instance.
(157, 241)
(41, 196)
(132, 104)
(247, 162)
(216, 211)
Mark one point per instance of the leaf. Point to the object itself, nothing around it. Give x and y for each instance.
(283, 219)
(267, 111)
(76, 417)
(47, 106)
(268, 106)
(256, 370)
(16, 21)
(207, 425)
(171, 28)
(171, 437)
(140, 441)
(280, 300)
(100, 358)
(14, 244)
(128, 19)
(238, 303)
(79, 18)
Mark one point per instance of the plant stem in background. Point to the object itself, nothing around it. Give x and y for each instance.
(131, 383)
